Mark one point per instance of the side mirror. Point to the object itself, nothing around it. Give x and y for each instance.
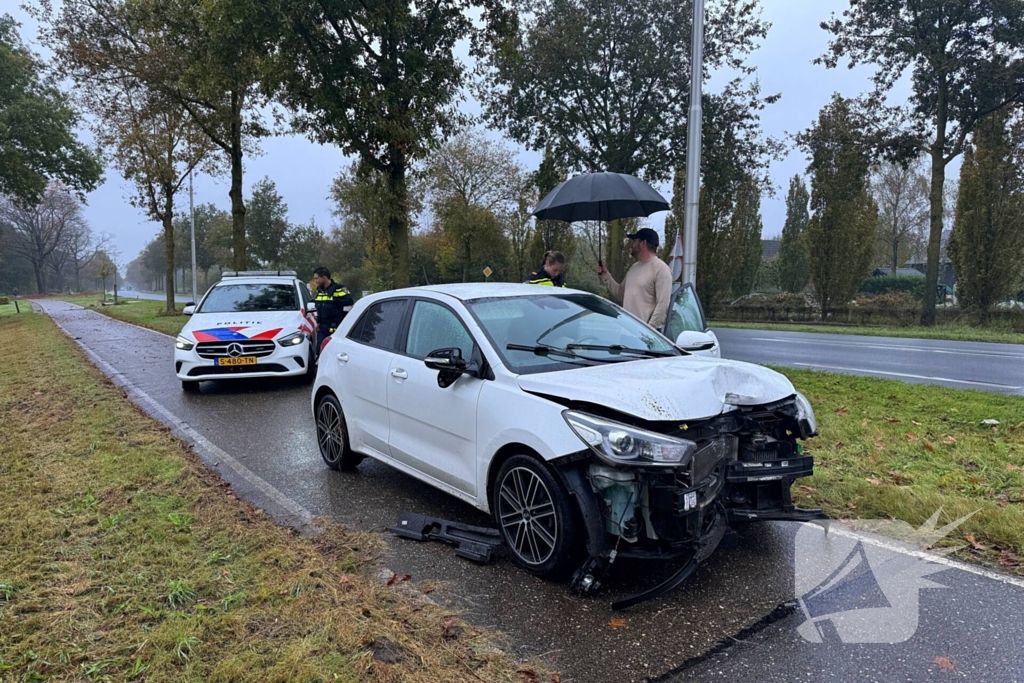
(189, 309)
(450, 366)
(696, 342)
(310, 307)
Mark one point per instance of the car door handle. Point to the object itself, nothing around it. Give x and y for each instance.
(399, 374)
(343, 357)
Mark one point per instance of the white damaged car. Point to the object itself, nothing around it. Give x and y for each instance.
(250, 324)
(586, 433)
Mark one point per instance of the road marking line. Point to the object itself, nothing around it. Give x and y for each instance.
(904, 374)
(892, 347)
(213, 453)
(895, 547)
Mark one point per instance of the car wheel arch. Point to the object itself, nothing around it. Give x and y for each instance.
(500, 456)
(321, 392)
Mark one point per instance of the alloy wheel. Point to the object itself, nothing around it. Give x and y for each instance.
(330, 432)
(527, 516)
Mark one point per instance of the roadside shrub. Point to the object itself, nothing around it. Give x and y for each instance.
(894, 283)
(889, 300)
(4, 300)
(1016, 317)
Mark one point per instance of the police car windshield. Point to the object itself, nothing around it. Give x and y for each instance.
(239, 298)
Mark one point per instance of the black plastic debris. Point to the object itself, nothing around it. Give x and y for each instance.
(475, 543)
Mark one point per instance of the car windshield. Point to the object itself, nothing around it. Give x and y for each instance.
(239, 298)
(570, 329)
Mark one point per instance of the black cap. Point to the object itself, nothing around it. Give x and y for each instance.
(647, 235)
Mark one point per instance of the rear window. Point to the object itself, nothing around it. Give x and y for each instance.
(238, 298)
(380, 325)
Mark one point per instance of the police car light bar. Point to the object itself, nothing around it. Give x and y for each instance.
(250, 273)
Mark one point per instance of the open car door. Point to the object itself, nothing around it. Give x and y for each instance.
(686, 325)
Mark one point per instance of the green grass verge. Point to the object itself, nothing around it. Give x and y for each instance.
(12, 309)
(124, 559)
(144, 312)
(948, 332)
(902, 451)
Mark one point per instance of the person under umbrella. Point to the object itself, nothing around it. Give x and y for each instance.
(646, 290)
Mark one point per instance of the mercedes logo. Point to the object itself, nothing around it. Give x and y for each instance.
(235, 350)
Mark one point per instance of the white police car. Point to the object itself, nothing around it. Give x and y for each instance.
(250, 324)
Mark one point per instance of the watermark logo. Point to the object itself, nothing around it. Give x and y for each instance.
(852, 590)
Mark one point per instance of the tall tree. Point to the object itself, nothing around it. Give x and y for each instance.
(472, 180)
(746, 230)
(901, 191)
(965, 59)
(38, 230)
(840, 234)
(605, 83)
(987, 244)
(203, 56)
(549, 235)
(37, 124)
(794, 270)
(378, 78)
(267, 224)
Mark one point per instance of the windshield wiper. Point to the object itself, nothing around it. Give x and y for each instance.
(616, 349)
(548, 350)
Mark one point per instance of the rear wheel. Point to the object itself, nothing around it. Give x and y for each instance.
(537, 518)
(332, 435)
(190, 387)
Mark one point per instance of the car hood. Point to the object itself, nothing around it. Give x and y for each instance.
(241, 326)
(681, 388)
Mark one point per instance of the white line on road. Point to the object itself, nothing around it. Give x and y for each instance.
(904, 374)
(920, 554)
(890, 347)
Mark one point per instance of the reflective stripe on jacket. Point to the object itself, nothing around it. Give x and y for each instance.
(332, 305)
(541, 277)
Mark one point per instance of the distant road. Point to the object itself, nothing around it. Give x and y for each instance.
(155, 296)
(960, 365)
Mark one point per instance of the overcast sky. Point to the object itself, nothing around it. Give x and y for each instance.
(303, 171)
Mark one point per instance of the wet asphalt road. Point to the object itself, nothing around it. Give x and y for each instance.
(960, 365)
(730, 622)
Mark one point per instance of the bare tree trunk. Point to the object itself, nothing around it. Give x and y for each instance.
(931, 276)
(237, 204)
(466, 256)
(398, 221)
(169, 246)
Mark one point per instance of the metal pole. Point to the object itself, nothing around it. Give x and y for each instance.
(693, 131)
(192, 211)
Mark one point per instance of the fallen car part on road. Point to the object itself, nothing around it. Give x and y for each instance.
(475, 543)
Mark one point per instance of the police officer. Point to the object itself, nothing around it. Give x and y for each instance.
(551, 271)
(333, 302)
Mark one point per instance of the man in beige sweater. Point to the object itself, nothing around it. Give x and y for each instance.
(646, 291)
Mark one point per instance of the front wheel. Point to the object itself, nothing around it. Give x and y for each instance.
(190, 387)
(537, 518)
(332, 435)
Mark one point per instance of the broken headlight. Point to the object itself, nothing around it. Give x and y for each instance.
(805, 417)
(621, 444)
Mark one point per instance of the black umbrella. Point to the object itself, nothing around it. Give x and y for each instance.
(600, 197)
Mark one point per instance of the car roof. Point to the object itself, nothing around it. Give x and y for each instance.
(257, 279)
(466, 291)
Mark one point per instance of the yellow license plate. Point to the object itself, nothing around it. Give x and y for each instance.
(241, 360)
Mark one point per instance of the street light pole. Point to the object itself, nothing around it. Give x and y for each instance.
(693, 140)
(192, 212)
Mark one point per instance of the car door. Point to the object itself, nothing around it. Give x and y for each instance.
(686, 325)
(362, 361)
(432, 429)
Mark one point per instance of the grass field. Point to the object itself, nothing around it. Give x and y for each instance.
(142, 312)
(12, 308)
(947, 332)
(902, 451)
(124, 559)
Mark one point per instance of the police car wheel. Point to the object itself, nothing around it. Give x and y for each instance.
(190, 387)
(332, 435)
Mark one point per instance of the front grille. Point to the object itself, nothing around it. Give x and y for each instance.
(764, 451)
(236, 369)
(260, 348)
